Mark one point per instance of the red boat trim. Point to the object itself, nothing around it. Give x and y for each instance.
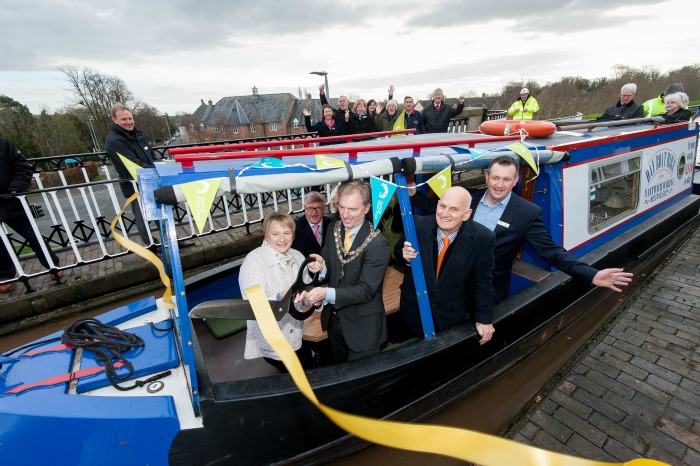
(55, 380)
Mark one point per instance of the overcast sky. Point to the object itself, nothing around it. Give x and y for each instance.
(173, 53)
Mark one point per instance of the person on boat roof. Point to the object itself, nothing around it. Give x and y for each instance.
(516, 221)
(355, 257)
(328, 126)
(676, 110)
(626, 107)
(656, 106)
(311, 227)
(274, 266)
(524, 107)
(342, 113)
(436, 117)
(457, 259)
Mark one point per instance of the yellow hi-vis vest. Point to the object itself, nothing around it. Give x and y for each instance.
(519, 112)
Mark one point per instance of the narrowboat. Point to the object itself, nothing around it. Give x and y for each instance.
(614, 196)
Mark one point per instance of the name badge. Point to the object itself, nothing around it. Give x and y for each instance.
(503, 224)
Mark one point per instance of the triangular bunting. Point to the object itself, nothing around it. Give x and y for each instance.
(130, 166)
(525, 154)
(269, 162)
(200, 197)
(381, 195)
(400, 124)
(323, 161)
(441, 181)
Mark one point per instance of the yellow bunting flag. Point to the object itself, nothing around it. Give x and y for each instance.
(323, 161)
(441, 181)
(143, 252)
(466, 445)
(131, 166)
(200, 197)
(525, 154)
(400, 124)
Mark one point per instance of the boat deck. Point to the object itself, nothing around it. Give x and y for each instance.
(636, 391)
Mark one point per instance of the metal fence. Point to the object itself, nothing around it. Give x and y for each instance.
(75, 201)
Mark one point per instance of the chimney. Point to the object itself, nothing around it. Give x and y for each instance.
(202, 101)
(255, 91)
(209, 101)
(308, 96)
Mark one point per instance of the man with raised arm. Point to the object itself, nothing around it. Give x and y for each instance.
(437, 115)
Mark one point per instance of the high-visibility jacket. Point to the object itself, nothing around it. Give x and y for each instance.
(518, 111)
(653, 107)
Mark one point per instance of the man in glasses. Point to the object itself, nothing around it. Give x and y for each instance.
(312, 226)
(626, 107)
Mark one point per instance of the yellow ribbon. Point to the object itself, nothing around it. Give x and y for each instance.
(462, 444)
(143, 252)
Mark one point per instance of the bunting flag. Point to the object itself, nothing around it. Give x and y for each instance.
(381, 194)
(441, 181)
(400, 124)
(462, 444)
(131, 166)
(323, 162)
(269, 162)
(525, 154)
(200, 197)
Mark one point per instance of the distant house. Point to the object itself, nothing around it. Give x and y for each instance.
(249, 116)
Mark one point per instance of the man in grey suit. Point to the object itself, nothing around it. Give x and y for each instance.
(355, 258)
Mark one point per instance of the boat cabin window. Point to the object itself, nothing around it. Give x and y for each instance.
(614, 190)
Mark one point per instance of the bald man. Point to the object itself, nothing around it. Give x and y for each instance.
(457, 258)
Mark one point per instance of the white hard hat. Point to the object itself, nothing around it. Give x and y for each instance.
(524, 90)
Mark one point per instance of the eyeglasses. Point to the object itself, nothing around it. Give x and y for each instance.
(313, 210)
(626, 95)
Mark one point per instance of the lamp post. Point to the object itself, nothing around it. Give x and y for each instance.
(167, 125)
(95, 144)
(325, 75)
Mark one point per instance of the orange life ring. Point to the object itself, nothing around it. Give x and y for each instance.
(534, 128)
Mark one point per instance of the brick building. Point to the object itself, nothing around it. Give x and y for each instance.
(249, 116)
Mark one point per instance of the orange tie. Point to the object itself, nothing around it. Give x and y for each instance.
(348, 240)
(445, 245)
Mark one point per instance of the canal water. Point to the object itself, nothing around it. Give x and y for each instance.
(490, 409)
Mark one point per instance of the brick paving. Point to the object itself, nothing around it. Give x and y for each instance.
(636, 391)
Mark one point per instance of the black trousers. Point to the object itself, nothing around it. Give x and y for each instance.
(23, 227)
(341, 351)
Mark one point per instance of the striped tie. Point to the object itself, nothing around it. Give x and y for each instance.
(445, 245)
(316, 233)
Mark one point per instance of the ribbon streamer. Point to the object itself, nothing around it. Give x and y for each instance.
(475, 447)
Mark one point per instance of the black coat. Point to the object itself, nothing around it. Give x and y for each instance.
(15, 176)
(130, 144)
(339, 116)
(323, 130)
(522, 223)
(681, 116)
(358, 125)
(304, 240)
(437, 121)
(620, 111)
(464, 282)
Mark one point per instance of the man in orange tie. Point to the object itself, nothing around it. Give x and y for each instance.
(457, 259)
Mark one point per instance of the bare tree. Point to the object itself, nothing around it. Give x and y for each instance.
(96, 92)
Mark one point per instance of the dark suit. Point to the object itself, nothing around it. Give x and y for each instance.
(524, 220)
(464, 282)
(359, 307)
(304, 240)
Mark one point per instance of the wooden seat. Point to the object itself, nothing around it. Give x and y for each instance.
(391, 295)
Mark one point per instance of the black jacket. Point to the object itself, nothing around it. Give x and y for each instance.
(681, 116)
(323, 130)
(339, 116)
(620, 111)
(437, 121)
(360, 125)
(15, 176)
(130, 144)
(464, 282)
(304, 240)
